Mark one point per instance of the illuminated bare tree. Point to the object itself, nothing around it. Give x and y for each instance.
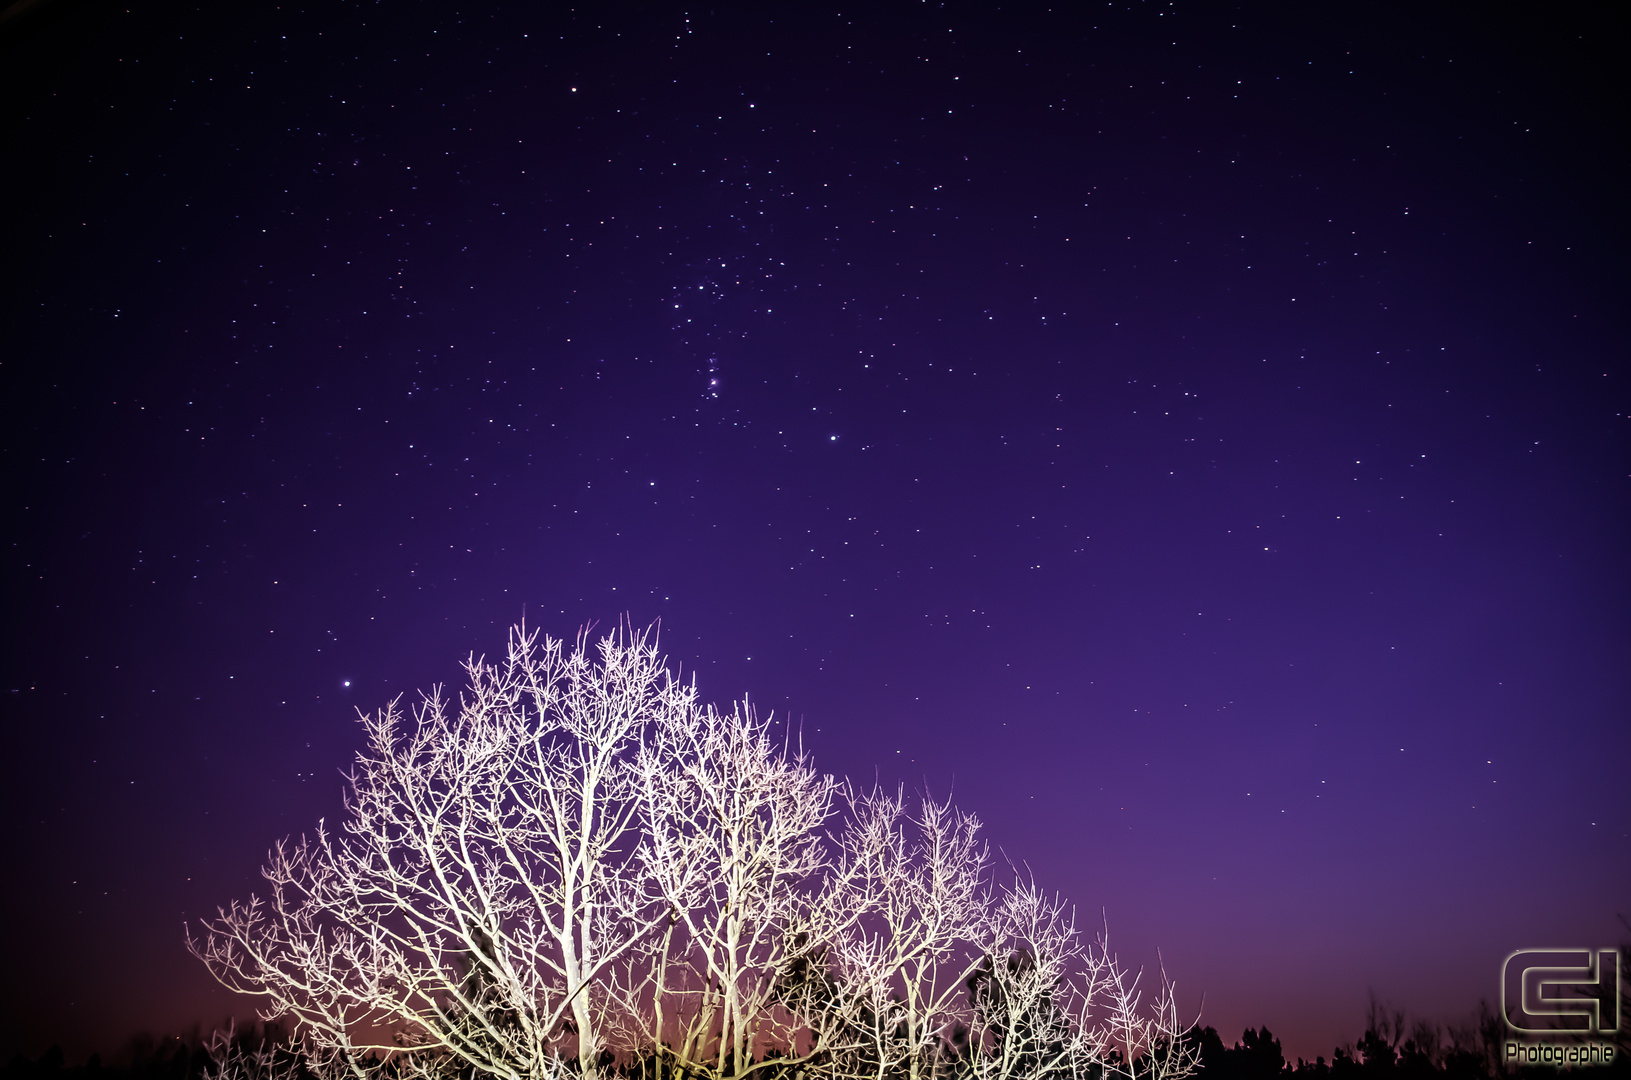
(480, 884)
(948, 975)
(576, 861)
(1149, 1043)
(234, 1055)
(734, 848)
(914, 888)
(1047, 1006)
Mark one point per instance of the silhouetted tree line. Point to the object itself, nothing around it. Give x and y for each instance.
(182, 1057)
(1394, 1047)
(178, 1059)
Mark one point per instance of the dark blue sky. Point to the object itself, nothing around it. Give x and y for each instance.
(1195, 436)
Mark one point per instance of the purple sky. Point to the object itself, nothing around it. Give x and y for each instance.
(1197, 438)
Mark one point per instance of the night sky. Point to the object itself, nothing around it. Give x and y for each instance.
(1194, 436)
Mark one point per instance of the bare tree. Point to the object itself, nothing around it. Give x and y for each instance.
(734, 847)
(906, 911)
(480, 884)
(575, 861)
(1031, 1019)
(1048, 1006)
(1145, 1043)
(234, 1055)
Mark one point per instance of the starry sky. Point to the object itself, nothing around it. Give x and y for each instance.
(1195, 436)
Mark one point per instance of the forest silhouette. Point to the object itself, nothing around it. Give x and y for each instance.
(1394, 1046)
